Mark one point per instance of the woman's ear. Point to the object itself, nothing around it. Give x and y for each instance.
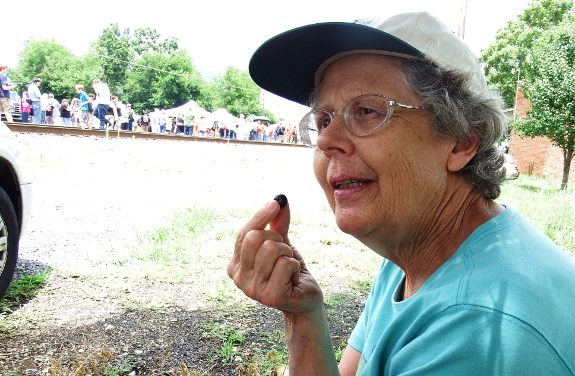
(461, 154)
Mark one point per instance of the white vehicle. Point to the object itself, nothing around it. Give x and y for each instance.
(511, 170)
(15, 202)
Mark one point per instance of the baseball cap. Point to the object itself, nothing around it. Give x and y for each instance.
(36, 80)
(291, 64)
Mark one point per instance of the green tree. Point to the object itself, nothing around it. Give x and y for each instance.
(551, 91)
(238, 93)
(505, 59)
(162, 80)
(115, 52)
(55, 65)
(147, 40)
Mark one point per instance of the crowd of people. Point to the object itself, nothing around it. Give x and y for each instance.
(101, 110)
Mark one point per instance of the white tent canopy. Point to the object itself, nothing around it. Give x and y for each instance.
(187, 108)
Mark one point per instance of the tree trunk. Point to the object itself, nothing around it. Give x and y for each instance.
(567, 158)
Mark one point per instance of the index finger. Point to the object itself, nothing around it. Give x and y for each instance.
(258, 222)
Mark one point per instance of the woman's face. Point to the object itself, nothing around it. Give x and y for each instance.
(383, 187)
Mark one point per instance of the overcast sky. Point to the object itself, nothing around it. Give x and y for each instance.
(220, 33)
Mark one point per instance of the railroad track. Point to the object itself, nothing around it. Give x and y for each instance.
(73, 131)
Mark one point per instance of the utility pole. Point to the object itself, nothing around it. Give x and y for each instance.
(462, 18)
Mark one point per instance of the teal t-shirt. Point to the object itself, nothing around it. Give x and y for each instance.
(84, 98)
(503, 304)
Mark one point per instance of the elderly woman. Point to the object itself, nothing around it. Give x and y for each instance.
(404, 131)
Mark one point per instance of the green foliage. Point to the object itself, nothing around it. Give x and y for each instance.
(551, 90)
(550, 210)
(149, 88)
(234, 97)
(230, 338)
(147, 40)
(22, 289)
(115, 49)
(56, 66)
(505, 59)
(140, 68)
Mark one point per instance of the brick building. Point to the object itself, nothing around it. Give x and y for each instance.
(537, 156)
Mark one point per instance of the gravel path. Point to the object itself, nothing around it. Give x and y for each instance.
(93, 196)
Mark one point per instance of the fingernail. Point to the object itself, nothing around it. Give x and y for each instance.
(282, 200)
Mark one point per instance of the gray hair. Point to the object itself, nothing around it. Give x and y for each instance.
(460, 114)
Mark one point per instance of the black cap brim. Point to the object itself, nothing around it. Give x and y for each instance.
(287, 63)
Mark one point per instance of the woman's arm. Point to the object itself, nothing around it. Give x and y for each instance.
(267, 268)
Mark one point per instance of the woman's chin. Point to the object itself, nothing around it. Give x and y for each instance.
(350, 223)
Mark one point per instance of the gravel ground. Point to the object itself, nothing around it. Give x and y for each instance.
(93, 197)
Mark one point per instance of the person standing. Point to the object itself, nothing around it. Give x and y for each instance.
(130, 114)
(25, 107)
(295, 134)
(103, 98)
(6, 106)
(162, 121)
(36, 98)
(289, 134)
(48, 110)
(44, 104)
(83, 114)
(52, 102)
(180, 123)
(145, 122)
(201, 126)
(74, 109)
(65, 113)
(281, 132)
(189, 125)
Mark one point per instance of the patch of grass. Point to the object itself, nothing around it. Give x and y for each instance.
(222, 292)
(277, 341)
(262, 362)
(230, 338)
(22, 290)
(101, 363)
(334, 300)
(187, 244)
(362, 284)
(549, 209)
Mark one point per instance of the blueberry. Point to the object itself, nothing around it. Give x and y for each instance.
(282, 200)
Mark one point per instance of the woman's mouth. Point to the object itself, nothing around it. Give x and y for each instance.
(346, 184)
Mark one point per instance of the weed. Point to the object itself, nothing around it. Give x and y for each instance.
(262, 362)
(22, 289)
(362, 285)
(277, 342)
(230, 338)
(330, 242)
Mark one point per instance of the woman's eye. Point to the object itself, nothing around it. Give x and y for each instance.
(367, 111)
(322, 121)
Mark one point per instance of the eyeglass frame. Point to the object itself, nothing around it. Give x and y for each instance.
(332, 114)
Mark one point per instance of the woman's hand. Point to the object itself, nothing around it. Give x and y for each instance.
(267, 268)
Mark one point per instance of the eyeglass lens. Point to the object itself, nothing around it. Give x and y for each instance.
(362, 116)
